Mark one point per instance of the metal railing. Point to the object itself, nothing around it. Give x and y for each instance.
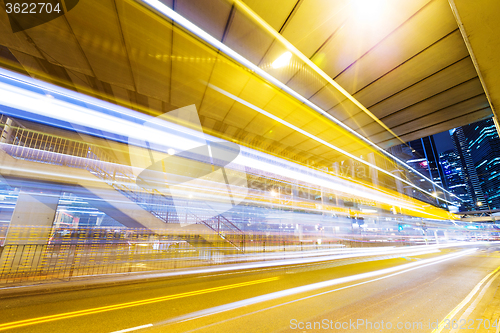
(226, 230)
(23, 143)
(77, 253)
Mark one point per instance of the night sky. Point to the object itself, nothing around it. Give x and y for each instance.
(443, 141)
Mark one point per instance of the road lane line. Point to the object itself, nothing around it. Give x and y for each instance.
(466, 300)
(133, 328)
(393, 271)
(301, 299)
(351, 253)
(473, 305)
(101, 309)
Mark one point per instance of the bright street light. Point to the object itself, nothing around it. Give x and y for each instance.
(282, 60)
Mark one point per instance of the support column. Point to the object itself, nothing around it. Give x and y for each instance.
(352, 166)
(295, 191)
(336, 171)
(373, 171)
(399, 184)
(6, 132)
(32, 220)
(29, 231)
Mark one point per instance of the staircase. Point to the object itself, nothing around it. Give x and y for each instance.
(25, 144)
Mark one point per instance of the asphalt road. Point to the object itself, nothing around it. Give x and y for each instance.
(340, 296)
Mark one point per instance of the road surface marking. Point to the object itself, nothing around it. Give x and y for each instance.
(72, 314)
(479, 297)
(460, 305)
(393, 271)
(133, 328)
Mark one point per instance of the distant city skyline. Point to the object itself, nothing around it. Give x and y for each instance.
(464, 160)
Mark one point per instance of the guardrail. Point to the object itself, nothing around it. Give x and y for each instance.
(226, 230)
(76, 253)
(35, 146)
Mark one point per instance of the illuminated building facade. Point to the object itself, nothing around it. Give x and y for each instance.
(422, 155)
(484, 149)
(469, 172)
(454, 179)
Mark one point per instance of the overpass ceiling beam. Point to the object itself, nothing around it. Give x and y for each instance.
(465, 35)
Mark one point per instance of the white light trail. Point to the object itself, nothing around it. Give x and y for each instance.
(133, 328)
(309, 135)
(165, 10)
(128, 123)
(380, 274)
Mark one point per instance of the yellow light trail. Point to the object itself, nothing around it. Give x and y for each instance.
(191, 27)
(45, 319)
(245, 8)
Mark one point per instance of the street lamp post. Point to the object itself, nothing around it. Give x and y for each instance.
(273, 193)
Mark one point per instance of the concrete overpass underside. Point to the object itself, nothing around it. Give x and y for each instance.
(406, 63)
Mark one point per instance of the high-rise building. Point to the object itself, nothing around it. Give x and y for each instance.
(484, 147)
(422, 155)
(454, 179)
(471, 170)
(426, 149)
(470, 176)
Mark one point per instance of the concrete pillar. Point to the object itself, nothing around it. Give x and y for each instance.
(399, 184)
(322, 193)
(336, 168)
(373, 171)
(6, 132)
(32, 220)
(28, 232)
(295, 191)
(336, 171)
(299, 228)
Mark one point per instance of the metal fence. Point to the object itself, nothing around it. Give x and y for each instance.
(40, 147)
(75, 253)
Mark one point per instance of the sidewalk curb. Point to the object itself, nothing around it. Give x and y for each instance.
(93, 282)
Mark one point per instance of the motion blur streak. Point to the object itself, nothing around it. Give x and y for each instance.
(64, 110)
(40, 320)
(157, 5)
(54, 111)
(319, 257)
(391, 271)
(295, 128)
(133, 328)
